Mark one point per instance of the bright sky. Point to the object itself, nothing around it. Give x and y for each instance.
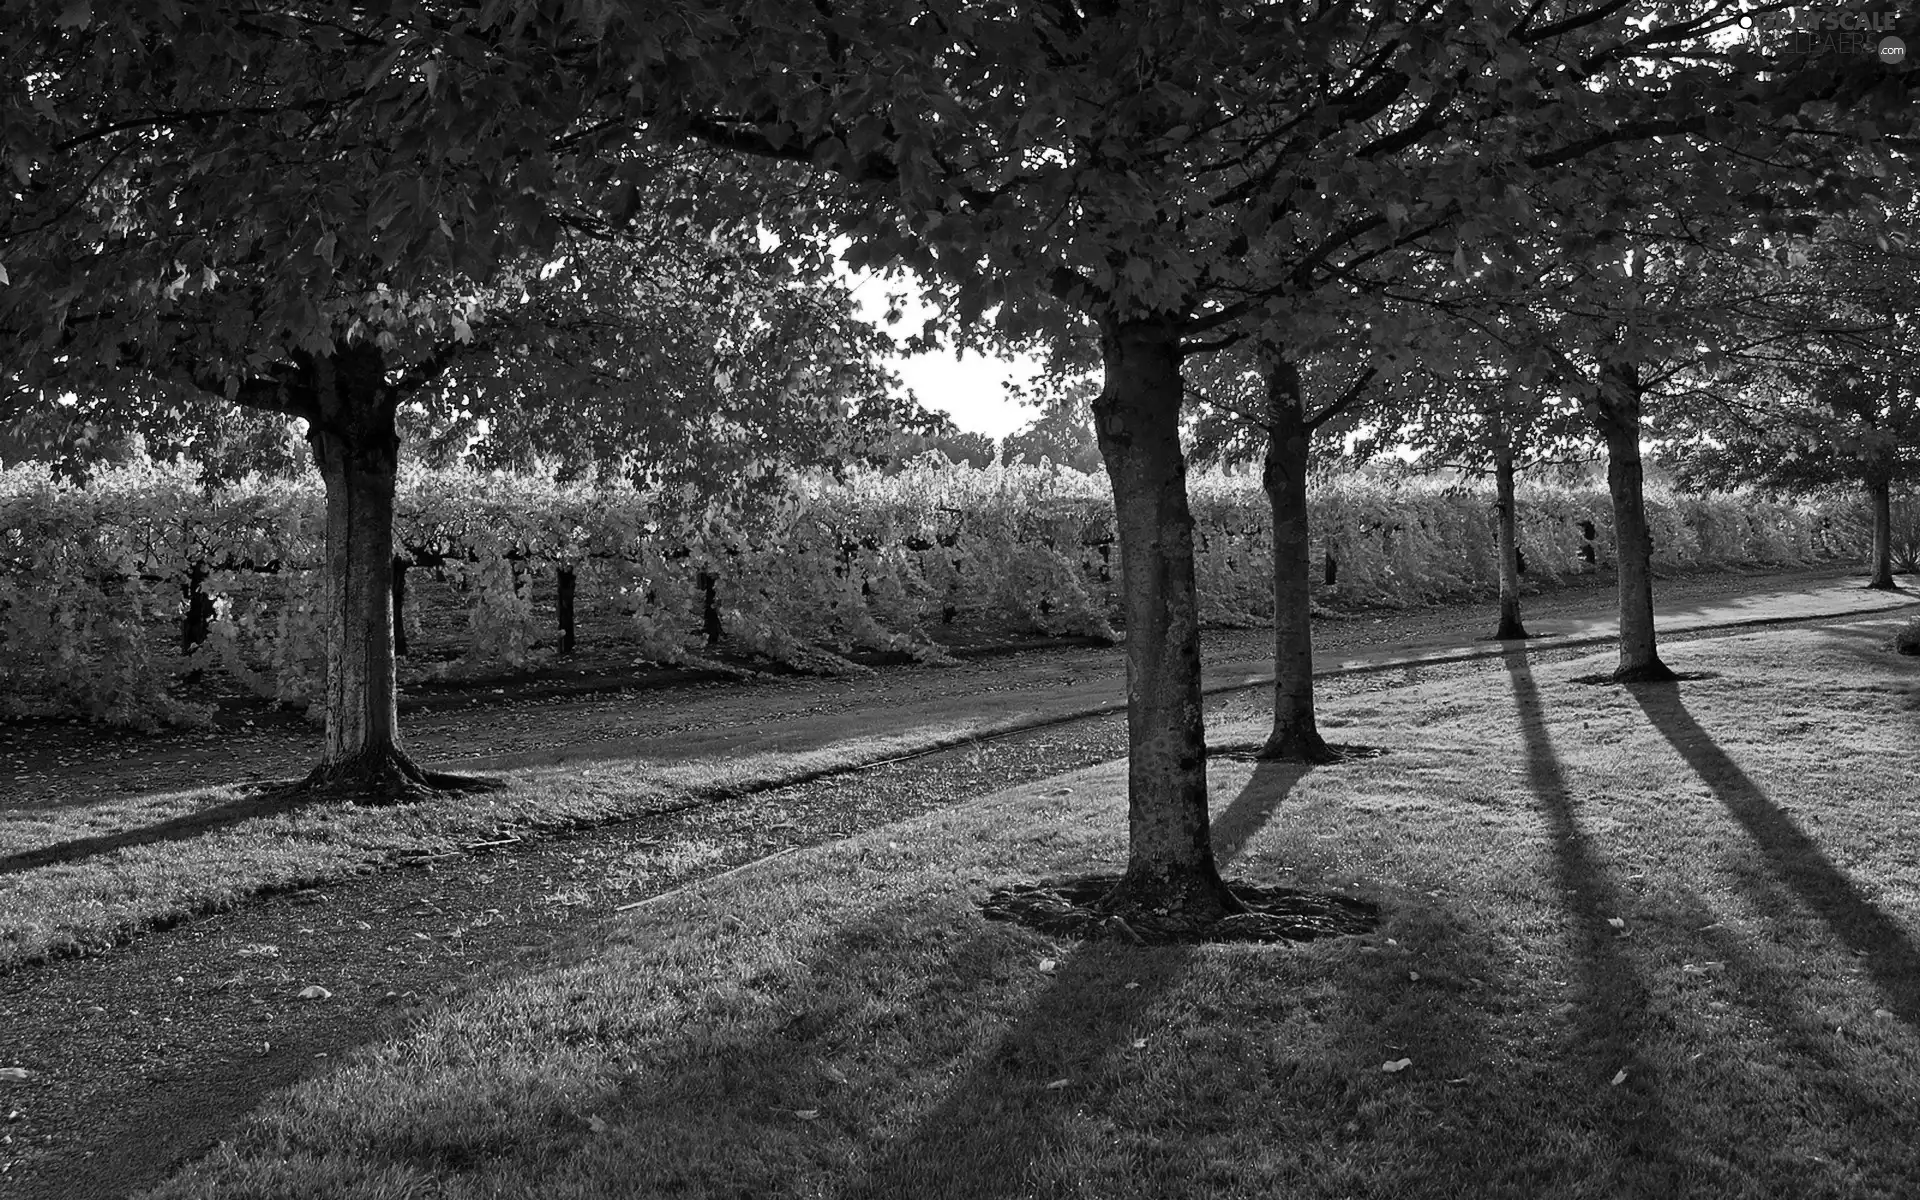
(968, 390)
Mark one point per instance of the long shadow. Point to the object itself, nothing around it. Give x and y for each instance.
(992, 1129)
(264, 803)
(1795, 858)
(1612, 998)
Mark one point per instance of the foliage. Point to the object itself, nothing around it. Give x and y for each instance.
(1063, 431)
(95, 577)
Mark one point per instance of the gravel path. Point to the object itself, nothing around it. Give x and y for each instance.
(145, 1057)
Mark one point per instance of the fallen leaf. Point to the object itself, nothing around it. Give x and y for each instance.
(1617, 922)
(1132, 984)
(1620, 1078)
(1048, 964)
(1414, 976)
(1139, 1043)
(1884, 1014)
(258, 950)
(596, 1124)
(315, 992)
(834, 1073)
(1057, 1084)
(807, 1114)
(14, 1074)
(1396, 1066)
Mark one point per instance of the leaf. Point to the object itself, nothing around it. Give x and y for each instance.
(14, 1074)
(1396, 1066)
(316, 992)
(597, 1124)
(1620, 1078)
(1617, 922)
(807, 1114)
(77, 14)
(1057, 1084)
(1047, 965)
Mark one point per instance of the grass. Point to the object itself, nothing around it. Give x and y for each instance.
(84, 876)
(1644, 942)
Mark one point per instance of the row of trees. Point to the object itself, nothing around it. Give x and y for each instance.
(334, 211)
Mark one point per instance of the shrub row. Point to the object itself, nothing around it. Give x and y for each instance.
(111, 591)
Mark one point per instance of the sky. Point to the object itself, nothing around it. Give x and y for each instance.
(968, 390)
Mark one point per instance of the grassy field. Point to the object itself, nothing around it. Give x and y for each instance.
(1645, 942)
(81, 876)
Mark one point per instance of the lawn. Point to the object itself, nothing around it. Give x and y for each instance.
(1639, 942)
(82, 876)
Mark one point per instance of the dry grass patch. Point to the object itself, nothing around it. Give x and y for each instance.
(1640, 943)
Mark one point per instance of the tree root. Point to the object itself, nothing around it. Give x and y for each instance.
(1654, 671)
(1301, 746)
(387, 777)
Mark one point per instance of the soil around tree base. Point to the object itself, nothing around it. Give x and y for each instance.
(1071, 908)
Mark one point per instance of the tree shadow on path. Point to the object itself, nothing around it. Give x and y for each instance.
(997, 1125)
(1613, 1020)
(1795, 858)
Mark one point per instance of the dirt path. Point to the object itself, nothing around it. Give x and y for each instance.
(145, 1057)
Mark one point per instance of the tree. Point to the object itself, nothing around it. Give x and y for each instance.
(1830, 399)
(1282, 411)
(1176, 180)
(330, 212)
(890, 428)
(1478, 413)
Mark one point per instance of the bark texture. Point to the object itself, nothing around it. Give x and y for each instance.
(1506, 536)
(356, 446)
(1616, 415)
(1296, 736)
(1880, 493)
(1170, 865)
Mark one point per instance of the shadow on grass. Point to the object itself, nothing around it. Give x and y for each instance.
(995, 1128)
(260, 802)
(1613, 1022)
(1795, 858)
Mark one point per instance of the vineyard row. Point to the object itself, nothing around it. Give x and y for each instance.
(112, 593)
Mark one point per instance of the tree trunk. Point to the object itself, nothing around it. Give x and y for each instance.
(356, 446)
(564, 583)
(399, 607)
(1295, 736)
(1880, 492)
(1616, 415)
(198, 620)
(710, 624)
(1506, 536)
(1170, 865)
